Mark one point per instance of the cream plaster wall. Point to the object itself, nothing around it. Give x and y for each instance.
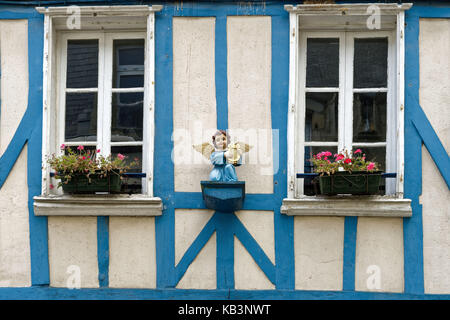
(434, 41)
(249, 114)
(379, 255)
(132, 249)
(319, 250)
(15, 269)
(247, 274)
(72, 241)
(194, 101)
(201, 274)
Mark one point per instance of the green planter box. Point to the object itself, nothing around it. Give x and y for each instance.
(80, 184)
(362, 183)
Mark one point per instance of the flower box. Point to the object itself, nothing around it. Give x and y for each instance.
(356, 183)
(80, 184)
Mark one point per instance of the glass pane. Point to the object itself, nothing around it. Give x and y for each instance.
(81, 117)
(127, 116)
(370, 63)
(322, 62)
(310, 185)
(321, 117)
(132, 154)
(82, 64)
(374, 154)
(128, 69)
(369, 117)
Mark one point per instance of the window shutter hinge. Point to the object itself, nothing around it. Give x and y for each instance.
(291, 185)
(293, 32)
(293, 107)
(401, 107)
(401, 34)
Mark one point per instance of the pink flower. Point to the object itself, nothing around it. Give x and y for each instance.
(63, 146)
(327, 153)
(98, 150)
(51, 186)
(84, 158)
(120, 156)
(80, 148)
(370, 166)
(339, 157)
(357, 151)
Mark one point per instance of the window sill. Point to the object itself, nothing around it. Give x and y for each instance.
(362, 206)
(97, 205)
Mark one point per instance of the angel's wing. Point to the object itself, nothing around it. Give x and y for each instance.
(205, 149)
(243, 147)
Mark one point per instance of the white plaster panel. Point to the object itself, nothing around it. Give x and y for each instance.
(15, 269)
(201, 274)
(247, 274)
(194, 100)
(14, 78)
(318, 247)
(379, 255)
(72, 241)
(434, 43)
(132, 250)
(249, 85)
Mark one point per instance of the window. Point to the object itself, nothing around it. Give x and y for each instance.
(101, 95)
(346, 87)
(345, 97)
(99, 85)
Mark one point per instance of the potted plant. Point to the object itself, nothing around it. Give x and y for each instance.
(85, 171)
(345, 173)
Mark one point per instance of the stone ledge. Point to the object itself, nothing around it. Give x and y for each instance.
(362, 206)
(97, 205)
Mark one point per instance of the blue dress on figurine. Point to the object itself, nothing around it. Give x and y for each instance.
(222, 170)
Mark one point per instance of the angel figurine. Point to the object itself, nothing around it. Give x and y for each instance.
(223, 155)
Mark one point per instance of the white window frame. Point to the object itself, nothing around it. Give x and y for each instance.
(345, 104)
(330, 20)
(105, 23)
(297, 82)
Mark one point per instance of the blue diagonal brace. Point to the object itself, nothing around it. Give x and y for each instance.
(431, 140)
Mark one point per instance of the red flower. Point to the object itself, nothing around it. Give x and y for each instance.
(370, 166)
(348, 160)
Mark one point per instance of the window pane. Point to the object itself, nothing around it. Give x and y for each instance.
(370, 63)
(310, 185)
(374, 154)
(128, 69)
(127, 116)
(322, 62)
(81, 117)
(321, 118)
(82, 64)
(369, 117)
(132, 154)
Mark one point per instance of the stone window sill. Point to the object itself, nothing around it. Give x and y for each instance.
(363, 206)
(97, 205)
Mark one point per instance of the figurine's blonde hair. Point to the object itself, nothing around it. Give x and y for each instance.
(219, 133)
